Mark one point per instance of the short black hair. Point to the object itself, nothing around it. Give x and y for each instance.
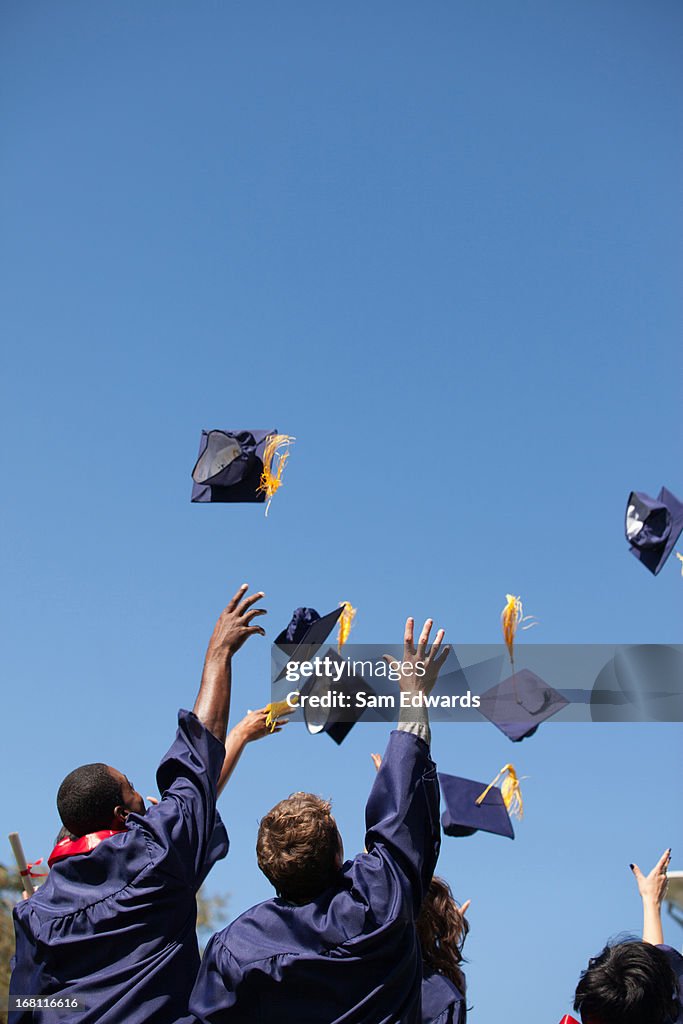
(629, 983)
(86, 799)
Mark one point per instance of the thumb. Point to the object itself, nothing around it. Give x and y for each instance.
(636, 871)
(465, 907)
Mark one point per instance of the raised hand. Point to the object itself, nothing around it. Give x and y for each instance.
(234, 624)
(421, 665)
(652, 887)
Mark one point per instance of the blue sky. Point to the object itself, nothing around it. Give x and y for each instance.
(441, 245)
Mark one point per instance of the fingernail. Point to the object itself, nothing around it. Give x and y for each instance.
(631, 866)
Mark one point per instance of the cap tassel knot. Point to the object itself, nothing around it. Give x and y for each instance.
(510, 789)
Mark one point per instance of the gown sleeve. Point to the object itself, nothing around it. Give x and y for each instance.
(186, 822)
(402, 821)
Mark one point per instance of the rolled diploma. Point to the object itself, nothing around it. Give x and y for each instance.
(22, 863)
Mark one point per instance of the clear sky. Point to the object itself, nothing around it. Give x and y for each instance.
(440, 244)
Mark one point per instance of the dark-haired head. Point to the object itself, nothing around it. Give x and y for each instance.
(96, 797)
(628, 983)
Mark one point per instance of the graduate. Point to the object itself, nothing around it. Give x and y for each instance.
(339, 940)
(636, 982)
(113, 927)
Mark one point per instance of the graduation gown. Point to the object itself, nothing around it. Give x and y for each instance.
(115, 927)
(676, 961)
(442, 1000)
(352, 954)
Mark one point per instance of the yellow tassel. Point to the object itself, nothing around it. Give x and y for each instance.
(680, 559)
(277, 708)
(510, 789)
(511, 618)
(345, 620)
(273, 465)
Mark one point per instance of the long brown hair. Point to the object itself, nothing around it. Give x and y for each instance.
(442, 930)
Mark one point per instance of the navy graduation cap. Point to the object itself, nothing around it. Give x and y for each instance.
(335, 720)
(238, 466)
(519, 704)
(653, 525)
(306, 632)
(472, 807)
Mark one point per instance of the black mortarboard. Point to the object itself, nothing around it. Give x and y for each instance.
(240, 465)
(519, 704)
(305, 633)
(653, 526)
(335, 720)
(463, 816)
(229, 465)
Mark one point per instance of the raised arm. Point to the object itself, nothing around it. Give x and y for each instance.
(402, 813)
(212, 705)
(185, 821)
(251, 727)
(652, 889)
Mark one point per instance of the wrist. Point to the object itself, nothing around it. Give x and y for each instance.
(218, 657)
(240, 734)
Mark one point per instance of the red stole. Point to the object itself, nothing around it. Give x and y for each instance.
(69, 847)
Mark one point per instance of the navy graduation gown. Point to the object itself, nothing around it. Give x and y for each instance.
(676, 961)
(115, 927)
(442, 1000)
(352, 954)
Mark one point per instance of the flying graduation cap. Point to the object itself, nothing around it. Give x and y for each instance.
(306, 632)
(336, 721)
(475, 806)
(653, 525)
(301, 639)
(519, 704)
(239, 466)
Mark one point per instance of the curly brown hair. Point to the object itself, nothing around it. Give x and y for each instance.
(297, 847)
(442, 930)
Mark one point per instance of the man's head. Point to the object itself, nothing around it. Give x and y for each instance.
(629, 983)
(96, 797)
(299, 848)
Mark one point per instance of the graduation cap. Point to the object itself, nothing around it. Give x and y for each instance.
(519, 704)
(653, 525)
(239, 466)
(475, 806)
(336, 720)
(307, 631)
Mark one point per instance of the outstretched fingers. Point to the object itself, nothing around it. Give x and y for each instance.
(249, 601)
(234, 601)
